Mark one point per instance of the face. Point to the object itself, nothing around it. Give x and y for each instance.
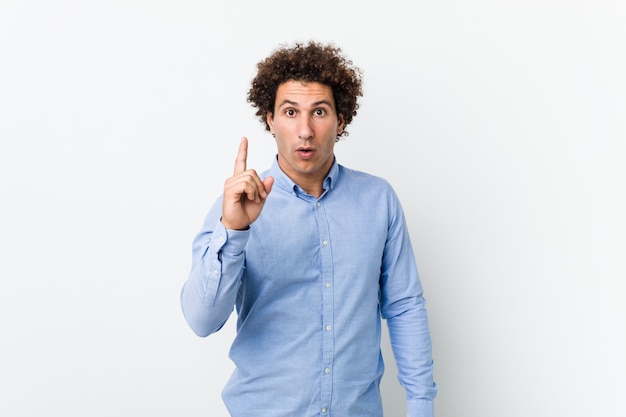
(305, 125)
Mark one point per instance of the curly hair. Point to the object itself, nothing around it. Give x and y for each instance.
(311, 62)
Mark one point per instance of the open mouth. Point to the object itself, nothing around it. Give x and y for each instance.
(305, 152)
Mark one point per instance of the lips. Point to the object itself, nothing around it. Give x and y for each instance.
(305, 152)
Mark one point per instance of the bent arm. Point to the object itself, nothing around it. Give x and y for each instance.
(218, 257)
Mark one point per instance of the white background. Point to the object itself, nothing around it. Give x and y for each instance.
(501, 124)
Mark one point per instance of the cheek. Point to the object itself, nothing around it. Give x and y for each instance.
(281, 145)
(330, 146)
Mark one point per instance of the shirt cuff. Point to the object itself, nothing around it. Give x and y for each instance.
(420, 408)
(232, 242)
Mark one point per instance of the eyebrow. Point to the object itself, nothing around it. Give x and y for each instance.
(294, 103)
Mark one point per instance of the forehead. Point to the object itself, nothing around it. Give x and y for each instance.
(304, 93)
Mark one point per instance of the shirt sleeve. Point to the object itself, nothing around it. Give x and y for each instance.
(403, 306)
(218, 257)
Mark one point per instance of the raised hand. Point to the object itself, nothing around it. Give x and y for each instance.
(244, 193)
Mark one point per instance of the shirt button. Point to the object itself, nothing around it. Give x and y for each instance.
(327, 285)
(326, 370)
(328, 327)
(216, 272)
(324, 242)
(324, 409)
(319, 204)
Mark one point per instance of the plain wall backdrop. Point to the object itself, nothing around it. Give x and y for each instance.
(501, 125)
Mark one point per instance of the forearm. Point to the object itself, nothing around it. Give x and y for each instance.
(412, 348)
(207, 300)
(209, 294)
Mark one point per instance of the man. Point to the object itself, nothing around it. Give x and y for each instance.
(311, 254)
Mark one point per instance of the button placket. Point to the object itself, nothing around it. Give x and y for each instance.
(327, 306)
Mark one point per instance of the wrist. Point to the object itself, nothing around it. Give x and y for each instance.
(231, 226)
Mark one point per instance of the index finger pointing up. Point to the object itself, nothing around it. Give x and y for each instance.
(242, 156)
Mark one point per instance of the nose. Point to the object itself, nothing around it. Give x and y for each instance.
(305, 128)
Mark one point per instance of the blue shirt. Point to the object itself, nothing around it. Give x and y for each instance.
(310, 280)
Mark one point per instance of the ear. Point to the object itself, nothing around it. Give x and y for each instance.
(340, 125)
(269, 118)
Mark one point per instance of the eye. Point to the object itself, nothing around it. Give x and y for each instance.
(290, 112)
(320, 112)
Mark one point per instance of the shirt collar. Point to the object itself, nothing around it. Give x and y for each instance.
(283, 181)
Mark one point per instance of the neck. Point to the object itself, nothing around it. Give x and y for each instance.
(315, 189)
(312, 184)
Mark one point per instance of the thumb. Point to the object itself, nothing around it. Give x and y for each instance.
(267, 183)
